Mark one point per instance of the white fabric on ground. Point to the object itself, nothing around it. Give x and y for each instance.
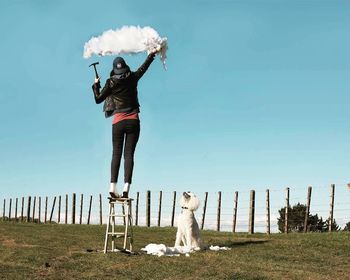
(218, 248)
(162, 250)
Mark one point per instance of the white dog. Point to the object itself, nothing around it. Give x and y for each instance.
(187, 226)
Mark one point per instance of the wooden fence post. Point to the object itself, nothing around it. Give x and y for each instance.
(22, 209)
(73, 207)
(16, 209)
(89, 214)
(173, 212)
(251, 212)
(39, 210)
(81, 208)
(286, 212)
(34, 208)
(204, 209)
(218, 212)
(234, 220)
(137, 209)
(53, 208)
(34, 205)
(148, 209)
(101, 209)
(28, 208)
(66, 211)
(45, 213)
(10, 206)
(331, 210)
(3, 210)
(268, 227)
(160, 207)
(59, 210)
(307, 212)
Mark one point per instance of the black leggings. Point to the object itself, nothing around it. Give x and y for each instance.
(130, 130)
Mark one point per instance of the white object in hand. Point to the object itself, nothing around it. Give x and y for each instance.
(127, 40)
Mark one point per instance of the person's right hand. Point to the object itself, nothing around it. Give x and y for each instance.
(97, 80)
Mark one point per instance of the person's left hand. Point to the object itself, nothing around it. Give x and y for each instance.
(97, 80)
(155, 50)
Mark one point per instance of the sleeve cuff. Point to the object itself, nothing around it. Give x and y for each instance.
(96, 85)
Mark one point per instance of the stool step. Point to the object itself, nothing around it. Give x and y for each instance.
(117, 215)
(120, 200)
(119, 234)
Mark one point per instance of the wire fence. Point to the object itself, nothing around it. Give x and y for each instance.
(244, 211)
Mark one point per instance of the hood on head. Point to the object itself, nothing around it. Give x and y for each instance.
(120, 66)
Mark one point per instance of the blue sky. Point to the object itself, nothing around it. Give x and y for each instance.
(256, 95)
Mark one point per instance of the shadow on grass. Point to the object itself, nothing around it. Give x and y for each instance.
(239, 276)
(232, 244)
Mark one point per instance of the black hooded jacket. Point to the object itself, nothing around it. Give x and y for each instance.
(120, 91)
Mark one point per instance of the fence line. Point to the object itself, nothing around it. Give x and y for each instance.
(253, 214)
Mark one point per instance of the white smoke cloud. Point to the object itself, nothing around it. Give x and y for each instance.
(127, 40)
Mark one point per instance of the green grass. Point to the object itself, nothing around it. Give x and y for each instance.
(32, 251)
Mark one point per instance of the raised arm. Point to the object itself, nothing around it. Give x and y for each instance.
(143, 68)
(100, 96)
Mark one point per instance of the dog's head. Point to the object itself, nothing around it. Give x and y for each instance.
(189, 201)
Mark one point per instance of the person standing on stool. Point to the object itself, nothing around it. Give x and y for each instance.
(121, 101)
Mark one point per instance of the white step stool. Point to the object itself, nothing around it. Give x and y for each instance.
(127, 221)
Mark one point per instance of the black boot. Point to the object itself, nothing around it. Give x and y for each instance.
(114, 195)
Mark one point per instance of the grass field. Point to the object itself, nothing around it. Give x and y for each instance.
(32, 251)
